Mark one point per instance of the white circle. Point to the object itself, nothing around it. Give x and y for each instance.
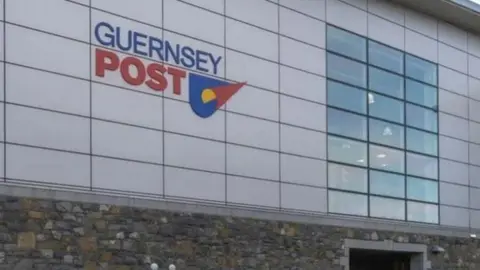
(172, 267)
(154, 266)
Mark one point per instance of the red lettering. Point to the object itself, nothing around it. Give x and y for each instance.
(135, 72)
(177, 75)
(101, 63)
(125, 71)
(157, 79)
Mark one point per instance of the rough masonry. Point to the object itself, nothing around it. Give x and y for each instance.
(59, 235)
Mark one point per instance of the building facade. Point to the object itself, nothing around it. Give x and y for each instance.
(353, 121)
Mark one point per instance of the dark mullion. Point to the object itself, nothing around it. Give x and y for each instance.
(405, 137)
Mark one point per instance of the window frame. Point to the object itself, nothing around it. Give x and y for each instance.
(403, 73)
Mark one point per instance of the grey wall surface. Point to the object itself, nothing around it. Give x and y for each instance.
(64, 127)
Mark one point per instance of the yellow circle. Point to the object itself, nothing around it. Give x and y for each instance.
(208, 95)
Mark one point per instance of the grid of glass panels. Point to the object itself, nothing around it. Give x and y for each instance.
(382, 130)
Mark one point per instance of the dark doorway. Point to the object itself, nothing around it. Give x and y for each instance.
(364, 259)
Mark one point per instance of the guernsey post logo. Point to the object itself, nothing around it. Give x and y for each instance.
(206, 93)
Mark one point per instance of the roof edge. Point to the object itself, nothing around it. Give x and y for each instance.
(464, 14)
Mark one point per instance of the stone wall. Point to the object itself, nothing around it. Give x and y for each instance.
(40, 234)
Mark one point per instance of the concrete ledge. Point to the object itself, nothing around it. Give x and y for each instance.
(7, 189)
(462, 13)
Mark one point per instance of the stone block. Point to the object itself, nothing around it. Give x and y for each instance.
(36, 215)
(26, 240)
(87, 244)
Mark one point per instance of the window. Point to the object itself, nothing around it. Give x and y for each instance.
(346, 97)
(345, 70)
(420, 70)
(382, 130)
(422, 142)
(346, 124)
(387, 208)
(421, 118)
(422, 190)
(347, 151)
(422, 166)
(387, 184)
(347, 178)
(421, 94)
(346, 43)
(387, 159)
(385, 82)
(385, 108)
(347, 203)
(385, 57)
(422, 212)
(386, 133)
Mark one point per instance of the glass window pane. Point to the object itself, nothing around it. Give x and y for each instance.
(385, 57)
(421, 118)
(347, 178)
(422, 190)
(385, 82)
(421, 94)
(423, 142)
(387, 184)
(422, 166)
(347, 151)
(347, 203)
(386, 133)
(385, 108)
(345, 70)
(422, 212)
(420, 69)
(347, 124)
(346, 97)
(346, 43)
(387, 159)
(387, 208)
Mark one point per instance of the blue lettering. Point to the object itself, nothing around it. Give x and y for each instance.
(156, 48)
(110, 38)
(187, 54)
(119, 40)
(139, 43)
(215, 62)
(201, 58)
(169, 51)
(155, 45)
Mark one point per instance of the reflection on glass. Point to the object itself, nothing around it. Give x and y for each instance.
(387, 159)
(422, 166)
(420, 69)
(387, 184)
(347, 124)
(346, 97)
(421, 94)
(421, 118)
(346, 43)
(385, 108)
(422, 212)
(385, 82)
(422, 142)
(386, 133)
(385, 57)
(345, 70)
(422, 190)
(347, 151)
(387, 208)
(347, 178)
(347, 203)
